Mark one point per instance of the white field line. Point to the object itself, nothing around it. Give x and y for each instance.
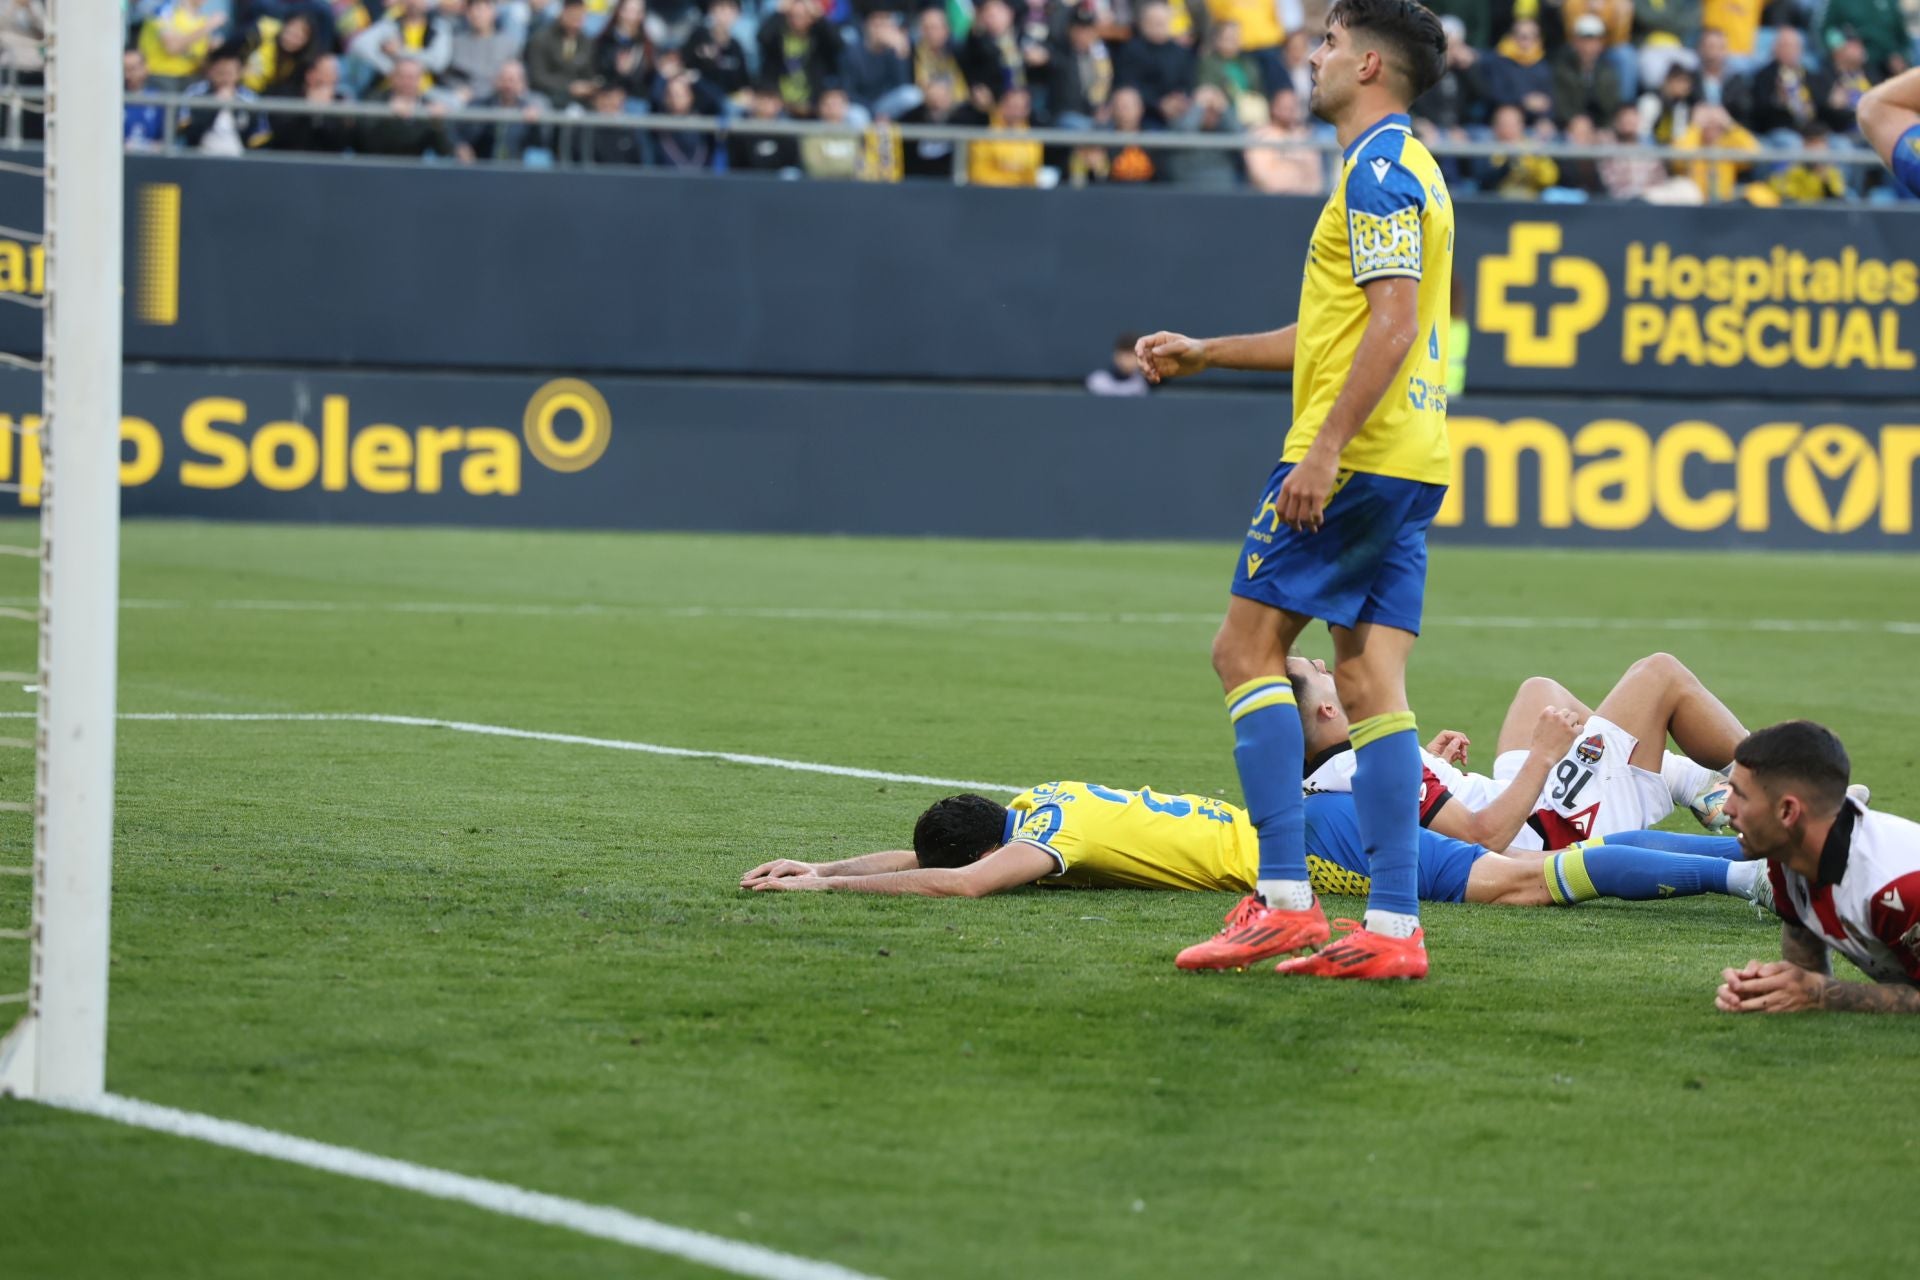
(535, 735)
(1035, 617)
(599, 1221)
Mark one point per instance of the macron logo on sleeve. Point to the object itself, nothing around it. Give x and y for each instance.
(1382, 167)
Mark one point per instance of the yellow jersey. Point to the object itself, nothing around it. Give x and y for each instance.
(1389, 215)
(1107, 839)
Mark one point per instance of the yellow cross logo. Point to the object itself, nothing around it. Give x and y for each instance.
(1517, 321)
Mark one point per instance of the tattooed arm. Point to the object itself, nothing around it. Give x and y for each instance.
(1804, 980)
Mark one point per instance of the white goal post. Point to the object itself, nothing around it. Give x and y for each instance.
(59, 1049)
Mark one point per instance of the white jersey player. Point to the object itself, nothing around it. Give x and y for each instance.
(1844, 879)
(1552, 788)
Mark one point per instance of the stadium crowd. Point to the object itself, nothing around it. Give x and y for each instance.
(1741, 75)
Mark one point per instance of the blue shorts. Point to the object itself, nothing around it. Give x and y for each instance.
(1366, 563)
(1906, 161)
(1333, 834)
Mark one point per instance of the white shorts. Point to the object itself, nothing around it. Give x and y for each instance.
(1594, 790)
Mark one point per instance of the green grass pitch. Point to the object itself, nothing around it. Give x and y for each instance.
(528, 961)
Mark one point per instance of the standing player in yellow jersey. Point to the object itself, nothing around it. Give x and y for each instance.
(1340, 533)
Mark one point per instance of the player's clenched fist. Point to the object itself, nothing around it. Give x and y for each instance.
(1166, 355)
(1555, 731)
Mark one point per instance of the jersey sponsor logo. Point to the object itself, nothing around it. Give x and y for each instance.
(1591, 749)
(1891, 900)
(1384, 242)
(1381, 167)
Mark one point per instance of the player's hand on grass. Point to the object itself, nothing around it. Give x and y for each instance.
(778, 869)
(1306, 490)
(1554, 732)
(792, 884)
(1777, 986)
(1166, 355)
(1450, 745)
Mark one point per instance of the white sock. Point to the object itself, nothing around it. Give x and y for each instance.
(1743, 878)
(1287, 895)
(1391, 924)
(1684, 778)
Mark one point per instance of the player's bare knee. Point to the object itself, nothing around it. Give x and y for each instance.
(1542, 691)
(1239, 656)
(1663, 669)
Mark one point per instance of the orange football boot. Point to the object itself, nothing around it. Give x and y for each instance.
(1256, 932)
(1361, 954)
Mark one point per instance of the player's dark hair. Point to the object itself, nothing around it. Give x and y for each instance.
(954, 832)
(1415, 42)
(1799, 751)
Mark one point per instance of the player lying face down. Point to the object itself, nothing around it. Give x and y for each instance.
(1084, 835)
(1843, 878)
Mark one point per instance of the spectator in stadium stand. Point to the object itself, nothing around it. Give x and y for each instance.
(1231, 70)
(1457, 101)
(412, 126)
(1880, 26)
(933, 53)
(1809, 182)
(176, 43)
(1299, 171)
(1627, 176)
(1850, 84)
(685, 150)
(1788, 95)
(1713, 128)
(1617, 17)
(606, 147)
(1518, 73)
(1080, 73)
(508, 141)
(879, 66)
(1582, 175)
(1209, 169)
(1584, 82)
(1738, 22)
(480, 49)
(1130, 163)
(1519, 172)
(328, 135)
(990, 57)
(223, 118)
(1156, 64)
(414, 31)
(623, 53)
(763, 153)
(799, 54)
(560, 57)
(1261, 36)
(141, 126)
(717, 58)
(282, 52)
(930, 158)
(1294, 57)
(1672, 109)
(1667, 30)
(1006, 162)
(1719, 83)
(1123, 376)
(831, 155)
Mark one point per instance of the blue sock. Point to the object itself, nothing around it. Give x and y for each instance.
(1386, 803)
(1583, 873)
(1675, 842)
(1270, 750)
